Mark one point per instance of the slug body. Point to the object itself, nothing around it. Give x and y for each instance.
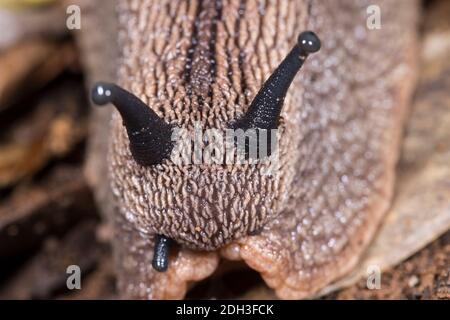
(203, 63)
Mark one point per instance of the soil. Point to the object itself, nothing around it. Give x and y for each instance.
(426, 275)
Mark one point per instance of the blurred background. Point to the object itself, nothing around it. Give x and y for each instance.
(48, 219)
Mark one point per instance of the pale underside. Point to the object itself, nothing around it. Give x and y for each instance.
(347, 109)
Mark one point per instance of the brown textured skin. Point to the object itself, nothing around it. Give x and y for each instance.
(199, 206)
(340, 195)
(344, 115)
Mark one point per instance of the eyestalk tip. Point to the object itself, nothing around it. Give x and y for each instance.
(308, 42)
(101, 93)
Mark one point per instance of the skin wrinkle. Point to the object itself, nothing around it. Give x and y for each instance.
(343, 114)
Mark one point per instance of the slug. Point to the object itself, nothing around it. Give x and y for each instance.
(232, 64)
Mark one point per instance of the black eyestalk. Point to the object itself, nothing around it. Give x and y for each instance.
(265, 109)
(149, 135)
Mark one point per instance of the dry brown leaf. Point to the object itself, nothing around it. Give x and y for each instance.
(426, 275)
(18, 161)
(23, 22)
(51, 206)
(29, 66)
(17, 64)
(54, 127)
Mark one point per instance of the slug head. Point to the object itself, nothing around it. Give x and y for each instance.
(200, 205)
